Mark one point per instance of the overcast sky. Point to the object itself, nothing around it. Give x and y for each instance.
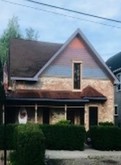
(58, 28)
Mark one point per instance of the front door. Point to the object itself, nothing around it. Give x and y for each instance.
(46, 114)
(93, 116)
(71, 115)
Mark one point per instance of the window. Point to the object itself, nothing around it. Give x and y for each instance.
(118, 87)
(76, 75)
(116, 110)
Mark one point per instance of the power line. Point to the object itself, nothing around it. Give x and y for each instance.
(35, 8)
(74, 11)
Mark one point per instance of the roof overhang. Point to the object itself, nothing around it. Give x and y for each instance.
(24, 79)
(88, 94)
(100, 99)
(42, 101)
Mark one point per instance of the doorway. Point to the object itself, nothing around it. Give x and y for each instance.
(76, 115)
(93, 116)
(46, 115)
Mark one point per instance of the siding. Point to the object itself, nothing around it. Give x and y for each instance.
(75, 51)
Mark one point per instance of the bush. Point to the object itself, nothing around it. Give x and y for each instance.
(7, 136)
(63, 122)
(106, 137)
(64, 137)
(29, 146)
(106, 123)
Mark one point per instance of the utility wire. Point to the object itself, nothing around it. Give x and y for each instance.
(81, 19)
(74, 11)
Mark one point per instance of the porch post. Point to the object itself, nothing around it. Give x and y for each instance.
(65, 112)
(36, 107)
(86, 117)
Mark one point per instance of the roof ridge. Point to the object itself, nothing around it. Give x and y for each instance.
(39, 41)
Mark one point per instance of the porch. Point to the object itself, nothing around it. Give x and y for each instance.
(49, 107)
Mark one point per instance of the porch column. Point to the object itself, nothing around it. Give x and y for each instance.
(36, 107)
(65, 112)
(86, 117)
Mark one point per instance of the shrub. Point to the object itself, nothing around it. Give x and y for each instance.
(64, 137)
(7, 136)
(106, 137)
(29, 146)
(106, 123)
(10, 140)
(63, 122)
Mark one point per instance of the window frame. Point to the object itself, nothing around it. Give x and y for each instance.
(115, 110)
(76, 62)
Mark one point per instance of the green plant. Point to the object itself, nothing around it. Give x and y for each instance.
(7, 136)
(64, 137)
(30, 147)
(106, 137)
(63, 122)
(106, 123)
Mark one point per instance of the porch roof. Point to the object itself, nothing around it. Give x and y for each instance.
(86, 95)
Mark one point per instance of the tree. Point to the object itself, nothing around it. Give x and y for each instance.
(12, 31)
(31, 34)
(1, 72)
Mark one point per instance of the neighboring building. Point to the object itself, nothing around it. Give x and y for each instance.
(114, 63)
(49, 82)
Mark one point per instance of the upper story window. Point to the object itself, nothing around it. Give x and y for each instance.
(76, 75)
(119, 85)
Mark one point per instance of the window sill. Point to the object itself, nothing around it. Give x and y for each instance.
(76, 90)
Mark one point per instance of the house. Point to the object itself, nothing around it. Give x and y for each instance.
(114, 63)
(49, 82)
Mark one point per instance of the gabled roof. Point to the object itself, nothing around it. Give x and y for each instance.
(58, 50)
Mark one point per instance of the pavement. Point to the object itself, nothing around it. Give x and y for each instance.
(87, 153)
(87, 157)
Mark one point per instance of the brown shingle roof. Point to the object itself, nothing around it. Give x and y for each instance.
(43, 94)
(28, 57)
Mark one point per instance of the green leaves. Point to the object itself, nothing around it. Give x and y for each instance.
(13, 31)
(31, 34)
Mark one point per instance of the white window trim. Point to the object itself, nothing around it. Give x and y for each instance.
(73, 62)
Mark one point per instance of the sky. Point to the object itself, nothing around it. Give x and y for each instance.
(54, 25)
